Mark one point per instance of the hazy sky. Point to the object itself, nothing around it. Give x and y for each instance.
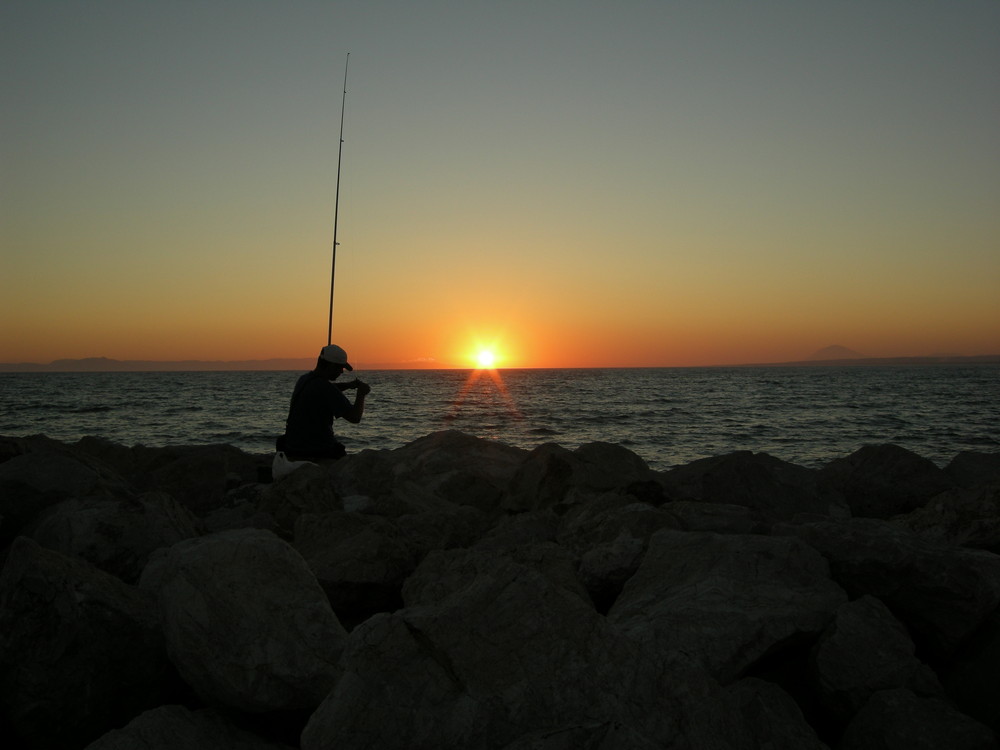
(575, 183)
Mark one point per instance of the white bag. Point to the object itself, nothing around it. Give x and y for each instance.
(281, 467)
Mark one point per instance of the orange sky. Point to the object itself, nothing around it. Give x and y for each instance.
(677, 184)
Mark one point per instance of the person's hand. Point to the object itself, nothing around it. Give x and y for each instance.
(363, 388)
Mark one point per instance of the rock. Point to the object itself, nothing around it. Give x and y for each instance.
(722, 518)
(80, 651)
(360, 561)
(117, 536)
(447, 528)
(498, 655)
(899, 720)
(751, 714)
(729, 600)
(308, 489)
(942, 594)
(865, 650)
(553, 477)
(972, 469)
(45, 476)
(602, 735)
(443, 467)
(245, 621)
(197, 476)
(881, 481)
(171, 727)
(773, 488)
(960, 517)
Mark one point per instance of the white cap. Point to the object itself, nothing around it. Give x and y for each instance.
(336, 355)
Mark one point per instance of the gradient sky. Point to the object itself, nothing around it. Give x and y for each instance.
(575, 183)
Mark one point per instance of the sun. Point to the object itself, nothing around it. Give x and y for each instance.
(486, 359)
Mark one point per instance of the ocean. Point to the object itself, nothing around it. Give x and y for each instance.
(805, 415)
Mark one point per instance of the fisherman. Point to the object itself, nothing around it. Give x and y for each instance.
(316, 402)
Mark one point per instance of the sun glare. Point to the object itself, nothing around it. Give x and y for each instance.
(486, 359)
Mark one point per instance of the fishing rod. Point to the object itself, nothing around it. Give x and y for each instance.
(336, 204)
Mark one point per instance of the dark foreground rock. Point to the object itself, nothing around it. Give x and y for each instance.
(460, 593)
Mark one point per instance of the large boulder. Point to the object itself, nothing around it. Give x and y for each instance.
(46, 474)
(360, 561)
(443, 467)
(495, 654)
(80, 651)
(972, 678)
(729, 600)
(881, 481)
(960, 517)
(117, 536)
(245, 621)
(900, 720)
(172, 727)
(865, 650)
(308, 489)
(773, 488)
(942, 594)
(554, 477)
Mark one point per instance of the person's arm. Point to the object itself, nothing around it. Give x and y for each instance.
(357, 409)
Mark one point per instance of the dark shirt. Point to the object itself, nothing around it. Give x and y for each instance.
(315, 403)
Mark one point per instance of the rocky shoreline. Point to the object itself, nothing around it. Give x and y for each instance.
(462, 593)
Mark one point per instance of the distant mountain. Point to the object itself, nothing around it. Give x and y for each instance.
(835, 352)
(103, 364)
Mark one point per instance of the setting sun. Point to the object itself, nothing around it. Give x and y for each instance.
(486, 359)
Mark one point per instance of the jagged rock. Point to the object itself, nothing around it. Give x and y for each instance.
(865, 650)
(360, 561)
(308, 489)
(606, 517)
(46, 475)
(899, 720)
(522, 529)
(750, 714)
(960, 517)
(942, 594)
(447, 528)
(601, 735)
(245, 621)
(197, 476)
(443, 467)
(172, 727)
(971, 469)
(117, 536)
(727, 599)
(881, 481)
(497, 656)
(443, 573)
(80, 651)
(552, 476)
(722, 518)
(772, 487)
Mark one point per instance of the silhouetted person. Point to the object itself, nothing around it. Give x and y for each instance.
(316, 402)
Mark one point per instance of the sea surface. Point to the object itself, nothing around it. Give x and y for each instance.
(805, 415)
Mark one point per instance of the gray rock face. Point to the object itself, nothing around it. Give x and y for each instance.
(495, 656)
(117, 536)
(865, 650)
(773, 488)
(80, 651)
(726, 599)
(960, 517)
(881, 481)
(942, 594)
(245, 621)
